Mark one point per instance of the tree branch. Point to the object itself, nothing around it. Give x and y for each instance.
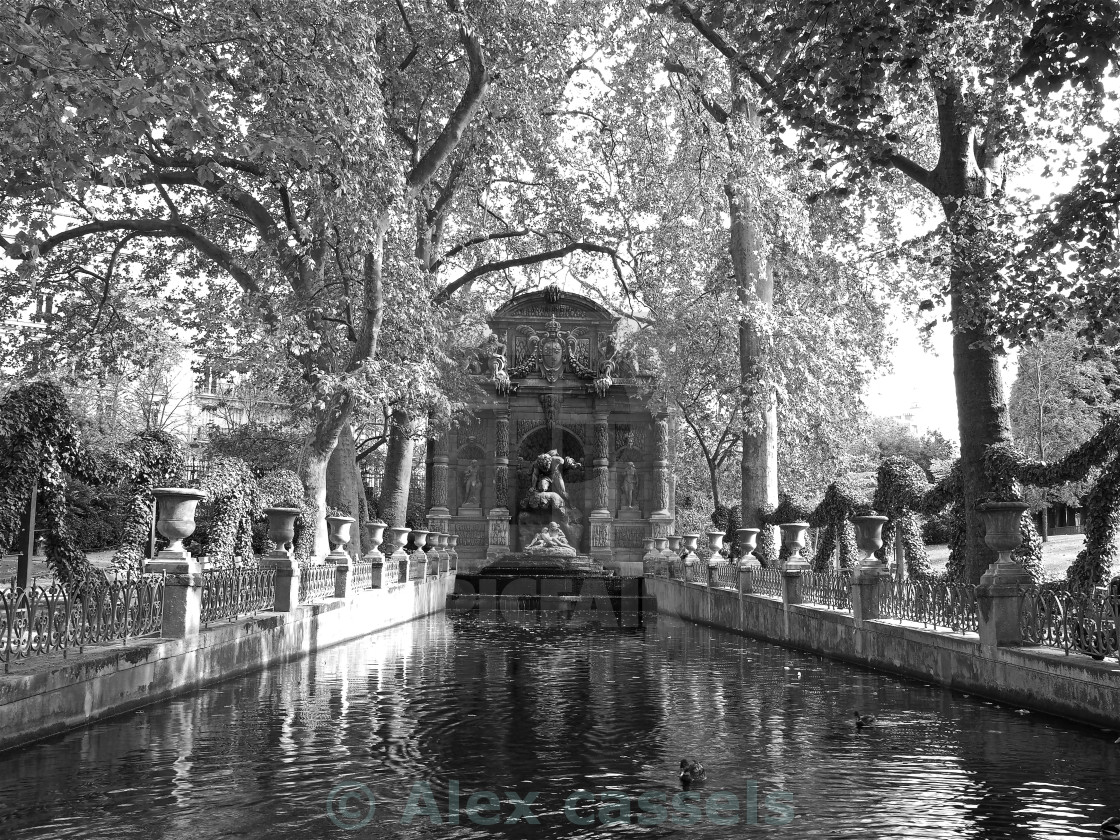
(478, 240)
(532, 259)
(477, 83)
(838, 133)
(153, 227)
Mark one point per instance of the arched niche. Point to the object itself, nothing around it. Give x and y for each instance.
(464, 455)
(541, 440)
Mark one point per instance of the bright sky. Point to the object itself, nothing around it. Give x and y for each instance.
(921, 383)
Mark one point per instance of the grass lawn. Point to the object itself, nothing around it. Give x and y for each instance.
(1057, 553)
(39, 566)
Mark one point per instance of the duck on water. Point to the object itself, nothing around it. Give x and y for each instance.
(692, 772)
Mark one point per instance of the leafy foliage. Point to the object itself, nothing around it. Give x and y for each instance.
(1063, 388)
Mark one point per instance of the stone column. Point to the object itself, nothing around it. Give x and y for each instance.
(998, 606)
(501, 460)
(498, 542)
(343, 566)
(286, 581)
(791, 586)
(600, 519)
(182, 595)
(661, 468)
(661, 519)
(602, 465)
(439, 513)
(866, 584)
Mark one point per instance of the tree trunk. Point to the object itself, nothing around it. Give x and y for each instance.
(313, 463)
(344, 486)
(393, 506)
(981, 421)
(753, 278)
(714, 478)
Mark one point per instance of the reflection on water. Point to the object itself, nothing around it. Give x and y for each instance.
(526, 715)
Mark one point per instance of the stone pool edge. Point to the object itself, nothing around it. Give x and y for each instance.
(1040, 679)
(69, 693)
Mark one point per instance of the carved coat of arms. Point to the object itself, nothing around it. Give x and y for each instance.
(549, 351)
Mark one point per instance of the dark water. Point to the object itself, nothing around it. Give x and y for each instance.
(485, 704)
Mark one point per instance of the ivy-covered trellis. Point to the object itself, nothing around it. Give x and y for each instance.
(152, 459)
(40, 446)
(282, 488)
(1100, 457)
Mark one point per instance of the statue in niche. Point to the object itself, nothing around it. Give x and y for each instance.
(547, 500)
(550, 465)
(472, 485)
(629, 485)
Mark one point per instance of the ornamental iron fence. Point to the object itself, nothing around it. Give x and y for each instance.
(316, 582)
(829, 589)
(1086, 621)
(932, 603)
(38, 620)
(361, 575)
(229, 593)
(766, 582)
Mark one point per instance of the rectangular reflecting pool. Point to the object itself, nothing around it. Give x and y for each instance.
(471, 724)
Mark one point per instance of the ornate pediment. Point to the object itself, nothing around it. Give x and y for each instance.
(552, 303)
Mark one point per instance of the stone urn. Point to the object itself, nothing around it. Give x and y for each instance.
(338, 532)
(375, 533)
(748, 540)
(793, 538)
(869, 539)
(674, 549)
(282, 526)
(440, 544)
(1002, 521)
(419, 537)
(659, 544)
(175, 517)
(715, 546)
(690, 542)
(650, 554)
(397, 538)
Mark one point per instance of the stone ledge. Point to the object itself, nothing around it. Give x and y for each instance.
(1043, 679)
(61, 694)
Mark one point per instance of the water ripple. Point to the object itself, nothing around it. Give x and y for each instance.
(586, 724)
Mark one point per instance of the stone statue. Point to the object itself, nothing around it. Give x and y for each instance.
(549, 465)
(472, 486)
(550, 537)
(629, 484)
(547, 501)
(492, 353)
(550, 541)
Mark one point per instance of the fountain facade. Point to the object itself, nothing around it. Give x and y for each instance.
(566, 457)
